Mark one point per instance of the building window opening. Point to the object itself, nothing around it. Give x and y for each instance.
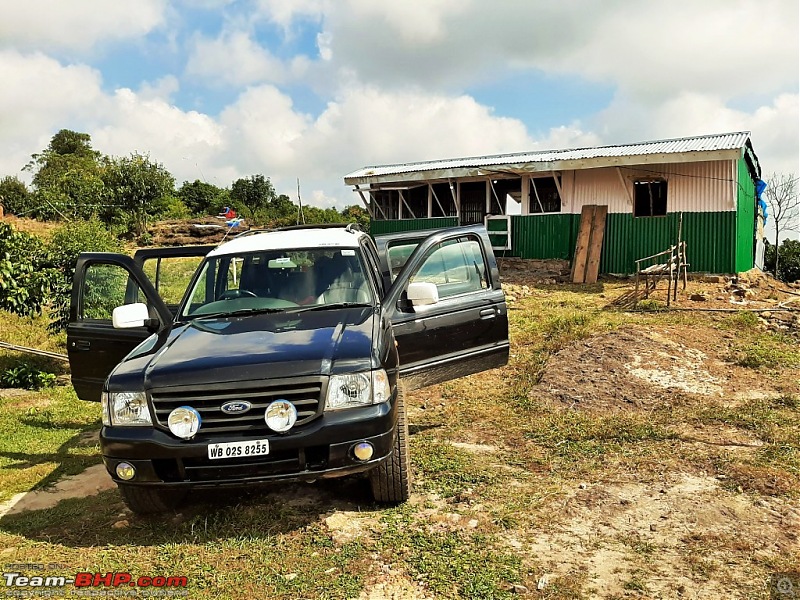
(649, 198)
(544, 196)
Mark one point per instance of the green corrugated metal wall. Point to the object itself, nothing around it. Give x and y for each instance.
(544, 236)
(745, 218)
(711, 238)
(382, 227)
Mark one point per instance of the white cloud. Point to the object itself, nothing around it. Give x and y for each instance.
(233, 58)
(163, 89)
(774, 126)
(647, 48)
(76, 25)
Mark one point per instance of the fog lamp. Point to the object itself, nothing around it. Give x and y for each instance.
(125, 471)
(184, 422)
(280, 416)
(363, 451)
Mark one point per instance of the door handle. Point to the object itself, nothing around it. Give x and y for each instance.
(488, 313)
(81, 345)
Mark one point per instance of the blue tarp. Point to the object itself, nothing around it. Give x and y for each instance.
(760, 187)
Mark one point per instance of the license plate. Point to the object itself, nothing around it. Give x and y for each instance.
(238, 449)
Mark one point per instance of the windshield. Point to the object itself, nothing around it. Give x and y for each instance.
(277, 280)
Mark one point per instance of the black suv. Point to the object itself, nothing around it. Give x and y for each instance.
(282, 359)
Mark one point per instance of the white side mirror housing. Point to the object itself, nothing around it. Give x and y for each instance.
(422, 293)
(130, 315)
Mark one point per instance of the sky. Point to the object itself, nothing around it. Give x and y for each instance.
(314, 89)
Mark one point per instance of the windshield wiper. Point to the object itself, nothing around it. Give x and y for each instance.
(236, 313)
(333, 305)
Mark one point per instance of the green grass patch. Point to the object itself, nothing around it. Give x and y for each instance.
(573, 438)
(451, 564)
(766, 351)
(41, 438)
(447, 470)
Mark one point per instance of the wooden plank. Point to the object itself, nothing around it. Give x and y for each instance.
(596, 243)
(582, 244)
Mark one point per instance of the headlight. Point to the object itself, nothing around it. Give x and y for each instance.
(357, 389)
(127, 408)
(184, 422)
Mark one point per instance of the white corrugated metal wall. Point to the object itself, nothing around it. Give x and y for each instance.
(691, 187)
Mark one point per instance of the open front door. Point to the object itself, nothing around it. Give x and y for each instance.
(104, 281)
(461, 326)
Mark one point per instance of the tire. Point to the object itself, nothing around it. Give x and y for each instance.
(147, 500)
(391, 480)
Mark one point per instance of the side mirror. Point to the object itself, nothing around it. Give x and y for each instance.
(422, 293)
(131, 315)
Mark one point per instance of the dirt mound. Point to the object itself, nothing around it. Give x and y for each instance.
(207, 230)
(627, 368)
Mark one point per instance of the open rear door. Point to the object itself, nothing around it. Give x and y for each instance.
(465, 329)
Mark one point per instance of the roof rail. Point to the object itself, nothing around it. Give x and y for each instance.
(349, 227)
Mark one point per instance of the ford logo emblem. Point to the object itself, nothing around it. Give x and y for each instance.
(236, 407)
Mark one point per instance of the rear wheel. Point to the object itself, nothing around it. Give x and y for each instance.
(391, 480)
(147, 500)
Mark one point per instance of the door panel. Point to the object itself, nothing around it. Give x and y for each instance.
(102, 282)
(467, 330)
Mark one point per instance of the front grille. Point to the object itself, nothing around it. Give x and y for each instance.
(306, 393)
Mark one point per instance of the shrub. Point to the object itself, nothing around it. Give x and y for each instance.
(24, 276)
(27, 376)
(67, 243)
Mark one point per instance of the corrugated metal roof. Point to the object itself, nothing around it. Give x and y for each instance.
(705, 143)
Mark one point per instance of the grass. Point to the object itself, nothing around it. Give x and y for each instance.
(498, 468)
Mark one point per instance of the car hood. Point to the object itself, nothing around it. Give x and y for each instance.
(263, 346)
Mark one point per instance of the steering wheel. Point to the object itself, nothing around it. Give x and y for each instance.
(231, 294)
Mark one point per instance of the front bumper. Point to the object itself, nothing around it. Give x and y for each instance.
(319, 449)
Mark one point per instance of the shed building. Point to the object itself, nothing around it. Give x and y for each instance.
(533, 200)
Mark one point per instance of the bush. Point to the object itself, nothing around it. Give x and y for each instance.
(27, 376)
(67, 243)
(25, 279)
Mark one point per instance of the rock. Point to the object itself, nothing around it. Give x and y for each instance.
(543, 581)
(698, 297)
(290, 576)
(473, 523)
(519, 589)
(583, 486)
(121, 524)
(653, 526)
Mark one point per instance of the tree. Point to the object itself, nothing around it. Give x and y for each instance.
(139, 188)
(14, 196)
(252, 193)
(356, 214)
(67, 178)
(789, 269)
(784, 204)
(203, 198)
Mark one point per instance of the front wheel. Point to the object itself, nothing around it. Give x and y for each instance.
(391, 480)
(147, 500)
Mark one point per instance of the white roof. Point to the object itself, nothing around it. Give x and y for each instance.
(678, 149)
(289, 240)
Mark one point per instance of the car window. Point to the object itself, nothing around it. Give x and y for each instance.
(171, 275)
(280, 279)
(455, 266)
(398, 256)
(105, 287)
